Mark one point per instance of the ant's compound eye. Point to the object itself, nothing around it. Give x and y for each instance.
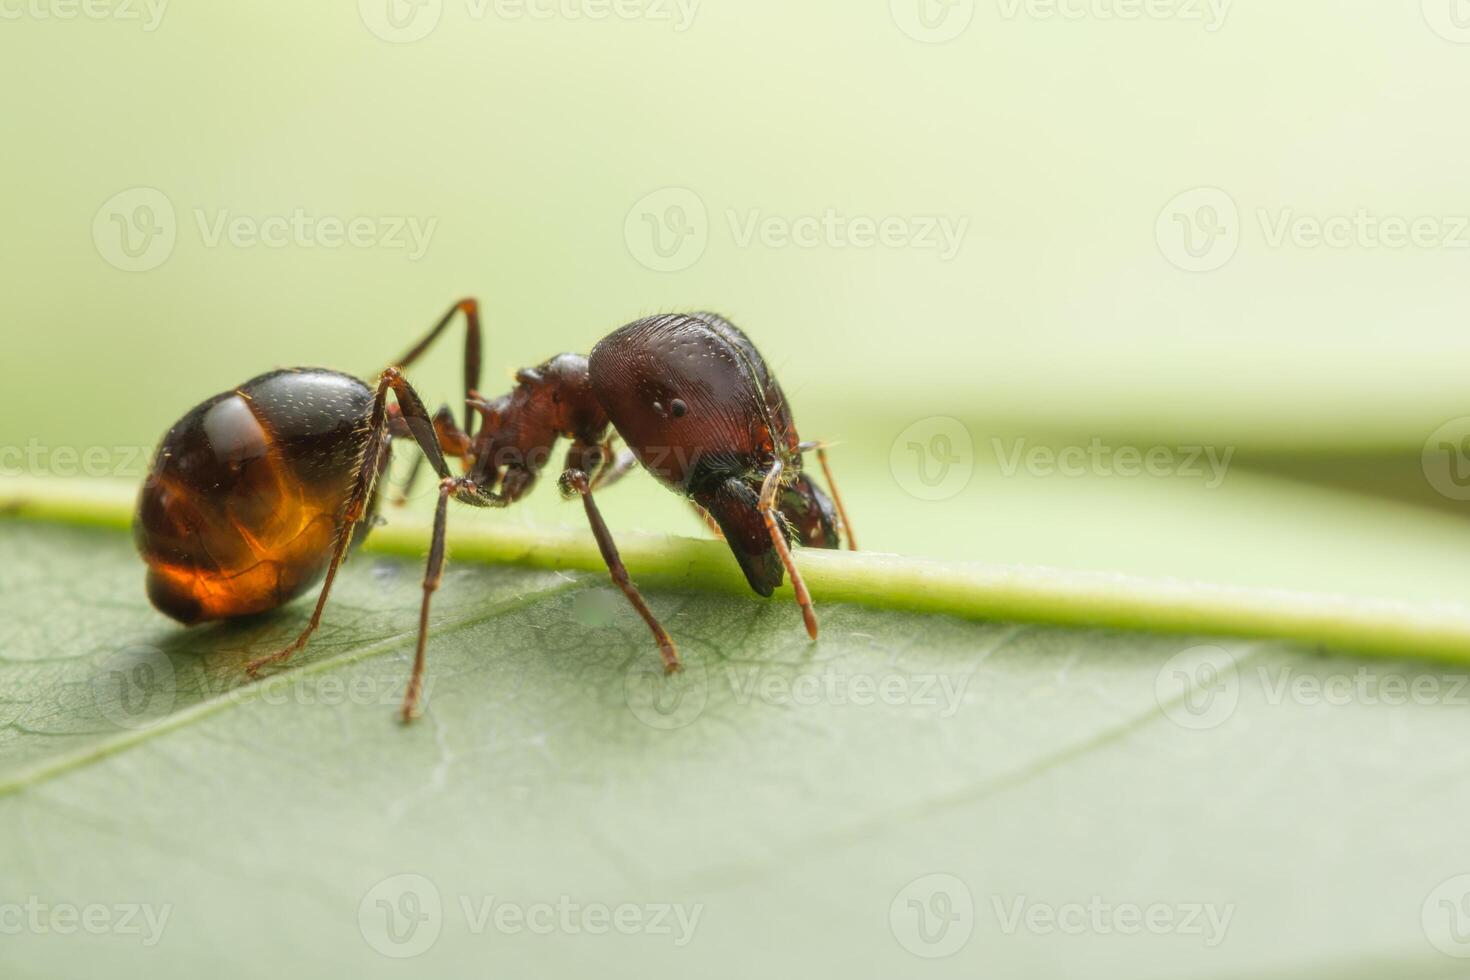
(678, 408)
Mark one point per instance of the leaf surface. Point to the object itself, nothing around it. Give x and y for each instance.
(791, 801)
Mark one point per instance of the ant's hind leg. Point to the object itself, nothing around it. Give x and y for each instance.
(422, 427)
(575, 482)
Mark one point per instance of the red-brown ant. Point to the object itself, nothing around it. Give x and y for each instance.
(256, 494)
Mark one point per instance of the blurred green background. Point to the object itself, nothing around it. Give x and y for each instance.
(575, 171)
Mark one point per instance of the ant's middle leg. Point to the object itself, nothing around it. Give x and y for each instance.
(575, 481)
(613, 468)
(625, 462)
(471, 310)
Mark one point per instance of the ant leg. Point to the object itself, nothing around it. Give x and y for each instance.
(452, 440)
(708, 519)
(471, 310)
(407, 488)
(821, 450)
(433, 572)
(422, 427)
(576, 482)
(615, 469)
(770, 488)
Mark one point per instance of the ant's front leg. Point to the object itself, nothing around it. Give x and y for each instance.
(770, 490)
(575, 482)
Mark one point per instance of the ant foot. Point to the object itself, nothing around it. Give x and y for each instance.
(254, 666)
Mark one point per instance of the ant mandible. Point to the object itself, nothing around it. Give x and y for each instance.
(258, 493)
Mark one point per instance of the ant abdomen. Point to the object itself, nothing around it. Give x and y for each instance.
(238, 512)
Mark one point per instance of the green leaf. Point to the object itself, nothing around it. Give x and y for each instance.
(1029, 800)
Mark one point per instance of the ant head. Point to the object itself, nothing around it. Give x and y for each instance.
(691, 396)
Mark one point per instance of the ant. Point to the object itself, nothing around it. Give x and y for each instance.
(257, 494)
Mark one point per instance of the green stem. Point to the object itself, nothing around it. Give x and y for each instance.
(969, 590)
